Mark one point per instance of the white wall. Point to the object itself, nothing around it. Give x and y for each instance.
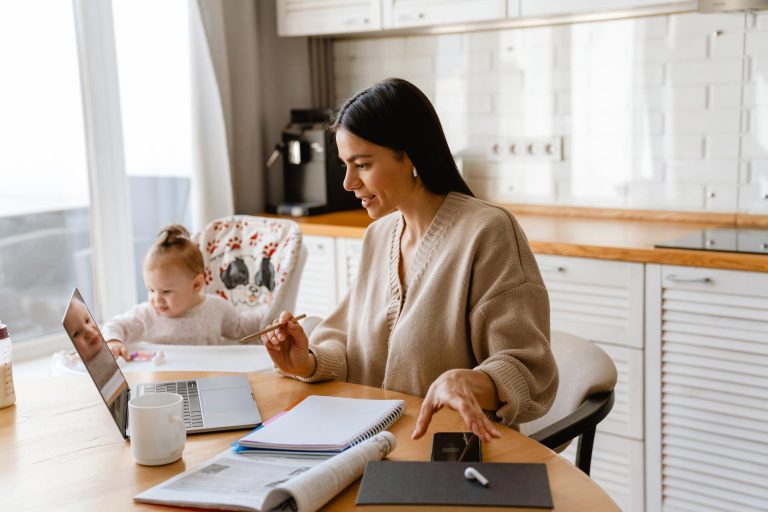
(667, 112)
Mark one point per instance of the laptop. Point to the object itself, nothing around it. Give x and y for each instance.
(210, 403)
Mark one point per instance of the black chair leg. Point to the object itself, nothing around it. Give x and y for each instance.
(584, 450)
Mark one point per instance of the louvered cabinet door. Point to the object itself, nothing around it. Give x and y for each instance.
(707, 430)
(316, 17)
(318, 295)
(348, 251)
(617, 467)
(602, 301)
(599, 300)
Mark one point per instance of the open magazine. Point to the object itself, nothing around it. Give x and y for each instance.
(253, 481)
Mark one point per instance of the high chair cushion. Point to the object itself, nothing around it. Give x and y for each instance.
(249, 260)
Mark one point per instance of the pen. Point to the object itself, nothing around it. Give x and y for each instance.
(271, 328)
(472, 474)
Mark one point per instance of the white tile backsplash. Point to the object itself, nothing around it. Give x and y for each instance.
(653, 113)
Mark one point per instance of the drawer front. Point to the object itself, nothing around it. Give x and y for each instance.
(732, 282)
(596, 299)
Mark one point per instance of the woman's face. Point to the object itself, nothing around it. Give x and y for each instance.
(374, 173)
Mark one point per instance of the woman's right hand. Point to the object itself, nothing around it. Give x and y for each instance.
(288, 346)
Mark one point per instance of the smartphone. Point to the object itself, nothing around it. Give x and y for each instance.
(456, 446)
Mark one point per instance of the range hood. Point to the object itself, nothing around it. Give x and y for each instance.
(732, 5)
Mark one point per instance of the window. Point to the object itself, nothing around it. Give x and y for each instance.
(153, 61)
(50, 197)
(44, 234)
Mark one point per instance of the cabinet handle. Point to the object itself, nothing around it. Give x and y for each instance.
(412, 16)
(551, 268)
(356, 21)
(677, 279)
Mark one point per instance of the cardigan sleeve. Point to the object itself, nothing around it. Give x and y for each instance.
(328, 342)
(510, 338)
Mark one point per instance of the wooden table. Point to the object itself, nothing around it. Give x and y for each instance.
(60, 449)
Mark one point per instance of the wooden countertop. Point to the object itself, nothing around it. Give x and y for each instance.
(625, 239)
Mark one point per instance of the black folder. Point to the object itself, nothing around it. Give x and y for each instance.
(443, 483)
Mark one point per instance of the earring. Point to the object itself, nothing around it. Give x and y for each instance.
(414, 172)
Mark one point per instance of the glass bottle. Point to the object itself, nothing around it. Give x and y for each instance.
(7, 394)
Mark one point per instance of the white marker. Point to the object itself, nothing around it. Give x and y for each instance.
(472, 474)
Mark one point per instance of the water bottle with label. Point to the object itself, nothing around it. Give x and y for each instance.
(7, 394)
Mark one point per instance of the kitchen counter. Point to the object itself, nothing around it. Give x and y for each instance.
(624, 239)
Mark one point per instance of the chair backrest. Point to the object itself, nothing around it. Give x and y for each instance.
(253, 262)
(584, 397)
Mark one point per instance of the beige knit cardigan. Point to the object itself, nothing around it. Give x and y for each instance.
(472, 298)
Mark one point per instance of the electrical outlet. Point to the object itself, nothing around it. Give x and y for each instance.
(550, 148)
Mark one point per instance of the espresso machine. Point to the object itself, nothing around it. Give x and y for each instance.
(312, 175)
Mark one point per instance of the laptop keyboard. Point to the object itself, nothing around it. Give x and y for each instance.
(193, 416)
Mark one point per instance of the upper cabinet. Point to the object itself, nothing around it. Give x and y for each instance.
(419, 13)
(316, 17)
(320, 17)
(556, 7)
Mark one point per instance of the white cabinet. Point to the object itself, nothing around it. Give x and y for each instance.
(331, 267)
(599, 300)
(617, 467)
(317, 291)
(316, 17)
(602, 301)
(418, 13)
(348, 251)
(706, 389)
(533, 8)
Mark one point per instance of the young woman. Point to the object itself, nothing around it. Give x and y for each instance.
(448, 303)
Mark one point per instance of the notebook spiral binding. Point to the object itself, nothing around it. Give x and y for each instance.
(382, 424)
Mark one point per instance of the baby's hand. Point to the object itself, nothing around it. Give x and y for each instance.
(118, 348)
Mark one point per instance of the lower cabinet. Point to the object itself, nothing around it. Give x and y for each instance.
(706, 389)
(331, 266)
(602, 301)
(617, 467)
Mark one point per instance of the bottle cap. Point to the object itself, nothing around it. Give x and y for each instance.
(3, 331)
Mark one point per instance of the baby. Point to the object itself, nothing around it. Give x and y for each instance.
(177, 311)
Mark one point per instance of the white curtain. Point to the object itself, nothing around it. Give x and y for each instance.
(229, 169)
(212, 179)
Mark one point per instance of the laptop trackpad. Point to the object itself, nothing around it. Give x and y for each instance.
(228, 406)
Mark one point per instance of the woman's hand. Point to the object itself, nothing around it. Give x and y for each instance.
(288, 347)
(118, 349)
(463, 391)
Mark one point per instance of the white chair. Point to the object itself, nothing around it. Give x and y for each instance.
(584, 398)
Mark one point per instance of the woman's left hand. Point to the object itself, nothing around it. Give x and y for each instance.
(459, 389)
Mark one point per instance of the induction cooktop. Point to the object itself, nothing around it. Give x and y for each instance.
(752, 241)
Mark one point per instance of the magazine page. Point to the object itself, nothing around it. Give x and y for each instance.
(311, 490)
(253, 481)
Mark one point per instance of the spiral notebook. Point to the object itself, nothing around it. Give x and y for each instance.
(325, 424)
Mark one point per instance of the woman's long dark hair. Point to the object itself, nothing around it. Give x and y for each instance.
(395, 114)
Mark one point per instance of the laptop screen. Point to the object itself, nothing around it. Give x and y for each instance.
(97, 358)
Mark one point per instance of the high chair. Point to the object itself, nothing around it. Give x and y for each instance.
(254, 262)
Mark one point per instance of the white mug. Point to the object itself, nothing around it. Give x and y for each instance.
(157, 427)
